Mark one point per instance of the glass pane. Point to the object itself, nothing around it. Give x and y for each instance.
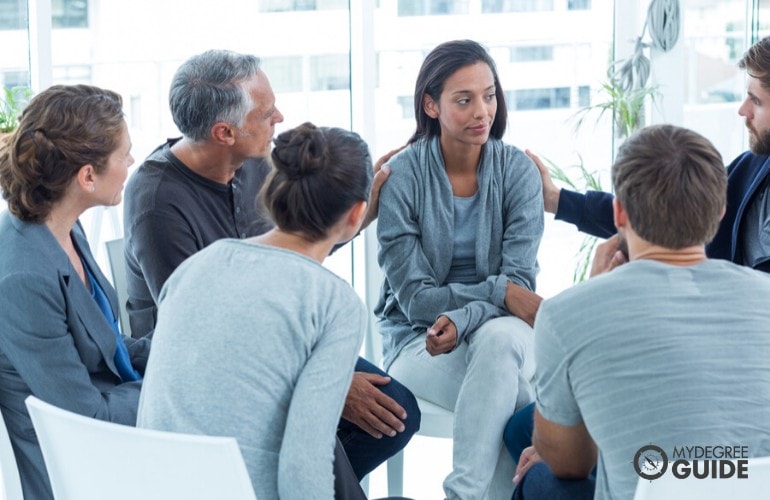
(432, 7)
(128, 47)
(714, 36)
(14, 63)
(69, 13)
(13, 15)
(516, 5)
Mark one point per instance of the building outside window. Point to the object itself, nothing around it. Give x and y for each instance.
(431, 7)
(529, 53)
(300, 5)
(69, 13)
(490, 6)
(13, 14)
(330, 72)
(285, 73)
(578, 4)
(538, 99)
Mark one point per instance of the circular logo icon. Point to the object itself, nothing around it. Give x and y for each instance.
(650, 462)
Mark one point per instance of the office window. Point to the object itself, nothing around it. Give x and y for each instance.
(489, 6)
(13, 14)
(330, 72)
(532, 53)
(69, 13)
(406, 102)
(15, 78)
(431, 7)
(584, 96)
(530, 99)
(578, 4)
(297, 5)
(72, 75)
(64, 14)
(285, 73)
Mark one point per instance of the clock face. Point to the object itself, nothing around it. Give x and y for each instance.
(650, 462)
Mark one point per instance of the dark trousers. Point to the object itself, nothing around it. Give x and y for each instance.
(366, 452)
(518, 432)
(358, 453)
(540, 483)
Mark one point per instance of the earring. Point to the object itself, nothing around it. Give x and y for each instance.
(92, 188)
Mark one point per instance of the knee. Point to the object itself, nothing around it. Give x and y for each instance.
(518, 432)
(401, 395)
(408, 402)
(505, 337)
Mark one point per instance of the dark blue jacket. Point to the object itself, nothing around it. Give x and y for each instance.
(592, 212)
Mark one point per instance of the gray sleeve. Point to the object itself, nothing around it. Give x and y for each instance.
(554, 396)
(307, 448)
(523, 221)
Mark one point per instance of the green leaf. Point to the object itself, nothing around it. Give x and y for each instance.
(12, 103)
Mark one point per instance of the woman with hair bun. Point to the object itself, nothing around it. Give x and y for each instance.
(287, 330)
(59, 336)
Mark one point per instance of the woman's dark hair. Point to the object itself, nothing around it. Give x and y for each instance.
(62, 129)
(437, 67)
(318, 174)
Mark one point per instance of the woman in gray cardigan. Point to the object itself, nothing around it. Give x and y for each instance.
(461, 218)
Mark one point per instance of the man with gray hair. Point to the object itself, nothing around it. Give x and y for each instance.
(202, 187)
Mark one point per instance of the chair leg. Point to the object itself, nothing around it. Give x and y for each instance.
(396, 475)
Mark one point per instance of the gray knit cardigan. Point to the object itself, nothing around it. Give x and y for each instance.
(414, 230)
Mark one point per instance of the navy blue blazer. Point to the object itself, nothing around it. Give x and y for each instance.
(592, 212)
(55, 342)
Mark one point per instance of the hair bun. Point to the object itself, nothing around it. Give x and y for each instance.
(301, 152)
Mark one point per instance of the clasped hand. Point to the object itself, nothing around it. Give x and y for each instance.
(442, 336)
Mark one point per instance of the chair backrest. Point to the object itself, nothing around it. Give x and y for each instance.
(10, 484)
(117, 261)
(89, 459)
(756, 485)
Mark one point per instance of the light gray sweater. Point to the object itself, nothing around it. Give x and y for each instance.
(257, 343)
(415, 227)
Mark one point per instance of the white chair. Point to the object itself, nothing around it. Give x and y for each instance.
(756, 486)
(10, 484)
(117, 261)
(436, 421)
(89, 459)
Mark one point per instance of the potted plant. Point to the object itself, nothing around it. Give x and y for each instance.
(12, 103)
(627, 107)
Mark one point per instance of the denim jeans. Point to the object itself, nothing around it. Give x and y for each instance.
(482, 381)
(540, 483)
(366, 452)
(518, 431)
